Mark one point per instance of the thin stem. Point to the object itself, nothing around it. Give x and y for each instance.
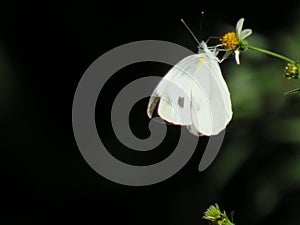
(271, 53)
(294, 91)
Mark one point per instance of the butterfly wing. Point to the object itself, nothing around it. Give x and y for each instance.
(194, 93)
(211, 105)
(173, 93)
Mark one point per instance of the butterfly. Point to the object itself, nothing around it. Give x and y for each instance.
(194, 94)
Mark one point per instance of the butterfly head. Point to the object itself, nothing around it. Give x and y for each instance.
(211, 52)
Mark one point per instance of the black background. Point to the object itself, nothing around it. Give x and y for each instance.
(47, 48)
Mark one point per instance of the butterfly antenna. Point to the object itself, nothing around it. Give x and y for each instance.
(193, 35)
(201, 23)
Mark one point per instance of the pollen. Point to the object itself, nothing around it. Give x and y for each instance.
(230, 41)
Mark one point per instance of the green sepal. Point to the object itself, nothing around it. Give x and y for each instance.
(243, 45)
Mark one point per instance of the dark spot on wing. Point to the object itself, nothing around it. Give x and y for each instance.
(181, 101)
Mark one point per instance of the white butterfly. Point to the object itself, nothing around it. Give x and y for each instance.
(194, 94)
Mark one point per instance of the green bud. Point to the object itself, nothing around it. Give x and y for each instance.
(216, 216)
(292, 71)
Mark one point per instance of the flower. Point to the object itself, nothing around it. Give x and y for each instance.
(292, 71)
(235, 41)
(214, 214)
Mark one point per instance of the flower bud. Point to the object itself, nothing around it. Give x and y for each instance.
(292, 71)
(216, 216)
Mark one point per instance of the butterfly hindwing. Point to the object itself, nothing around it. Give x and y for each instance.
(210, 105)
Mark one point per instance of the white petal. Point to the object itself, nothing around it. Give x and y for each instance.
(239, 27)
(245, 33)
(237, 56)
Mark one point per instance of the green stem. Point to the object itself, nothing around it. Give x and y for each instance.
(271, 53)
(294, 91)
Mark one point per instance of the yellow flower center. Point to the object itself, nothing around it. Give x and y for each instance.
(230, 41)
